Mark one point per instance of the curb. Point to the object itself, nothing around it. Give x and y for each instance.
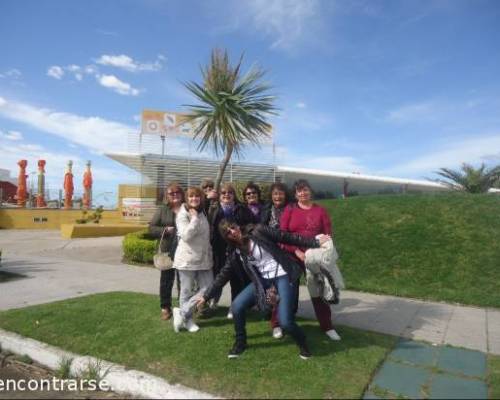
(120, 379)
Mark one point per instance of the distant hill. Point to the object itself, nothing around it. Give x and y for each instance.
(443, 247)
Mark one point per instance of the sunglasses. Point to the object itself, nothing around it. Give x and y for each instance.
(250, 193)
(174, 193)
(226, 192)
(207, 187)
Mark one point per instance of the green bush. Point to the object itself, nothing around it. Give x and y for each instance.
(139, 247)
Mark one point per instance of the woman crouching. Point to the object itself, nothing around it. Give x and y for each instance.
(193, 258)
(254, 251)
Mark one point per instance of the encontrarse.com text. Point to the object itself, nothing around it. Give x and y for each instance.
(54, 384)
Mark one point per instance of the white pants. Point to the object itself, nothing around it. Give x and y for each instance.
(190, 281)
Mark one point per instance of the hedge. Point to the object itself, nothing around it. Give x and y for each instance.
(139, 247)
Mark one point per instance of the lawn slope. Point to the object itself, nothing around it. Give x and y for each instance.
(441, 247)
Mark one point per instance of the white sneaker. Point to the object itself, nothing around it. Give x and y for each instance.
(277, 333)
(191, 326)
(230, 315)
(177, 319)
(333, 335)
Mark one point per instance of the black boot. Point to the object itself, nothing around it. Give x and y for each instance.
(238, 349)
(304, 352)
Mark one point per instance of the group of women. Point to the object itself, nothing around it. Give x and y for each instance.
(259, 248)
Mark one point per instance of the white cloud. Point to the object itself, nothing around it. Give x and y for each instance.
(115, 84)
(286, 22)
(453, 153)
(340, 164)
(129, 64)
(301, 104)
(94, 133)
(55, 72)
(11, 135)
(423, 111)
(11, 73)
(106, 32)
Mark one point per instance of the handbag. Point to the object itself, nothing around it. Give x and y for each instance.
(161, 260)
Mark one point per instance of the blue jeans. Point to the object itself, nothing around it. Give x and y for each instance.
(286, 317)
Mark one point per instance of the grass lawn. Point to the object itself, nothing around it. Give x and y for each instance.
(494, 376)
(443, 247)
(125, 328)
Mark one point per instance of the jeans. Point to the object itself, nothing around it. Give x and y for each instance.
(286, 316)
(201, 279)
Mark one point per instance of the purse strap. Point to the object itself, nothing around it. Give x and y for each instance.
(161, 240)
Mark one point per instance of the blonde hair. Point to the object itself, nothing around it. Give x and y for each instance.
(198, 192)
(227, 186)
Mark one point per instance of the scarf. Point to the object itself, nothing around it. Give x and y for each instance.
(228, 210)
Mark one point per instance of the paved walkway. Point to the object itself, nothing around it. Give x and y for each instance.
(417, 370)
(53, 268)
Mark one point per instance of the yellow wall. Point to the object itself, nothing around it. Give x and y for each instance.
(24, 218)
(135, 191)
(70, 231)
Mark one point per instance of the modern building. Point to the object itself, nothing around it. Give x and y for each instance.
(157, 170)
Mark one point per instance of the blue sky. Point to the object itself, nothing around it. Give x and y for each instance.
(378, 87)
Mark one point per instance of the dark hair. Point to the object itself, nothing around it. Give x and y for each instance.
(174, 186)
(207, 182)
(281, 187)
(301, 184)
(254, 186)
(224, 226)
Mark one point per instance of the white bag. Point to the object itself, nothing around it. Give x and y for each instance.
(162, 261)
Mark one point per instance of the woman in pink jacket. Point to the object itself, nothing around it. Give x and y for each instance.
(308, 220)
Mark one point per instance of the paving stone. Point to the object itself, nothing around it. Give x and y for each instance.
(429, 323)
(415, 353)
(402, 379)
(445, 386)
(462, 361)
(467, 328)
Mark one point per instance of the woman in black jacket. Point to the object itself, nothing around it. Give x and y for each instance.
(164, 220)
(256, 253)
(227, 207)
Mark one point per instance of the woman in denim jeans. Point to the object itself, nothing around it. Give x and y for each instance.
(256, 253)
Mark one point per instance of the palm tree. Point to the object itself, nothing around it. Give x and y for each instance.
(232, 110)
(470, 179)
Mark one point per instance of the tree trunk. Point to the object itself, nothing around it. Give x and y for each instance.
(223, 165)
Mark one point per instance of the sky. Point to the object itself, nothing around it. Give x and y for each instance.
(392, 88)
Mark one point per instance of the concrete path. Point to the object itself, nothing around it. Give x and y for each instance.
(53, 268)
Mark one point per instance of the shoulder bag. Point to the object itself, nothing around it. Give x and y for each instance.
(162, 261)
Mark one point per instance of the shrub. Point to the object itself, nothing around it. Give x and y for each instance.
(95, 217)
(139, 247)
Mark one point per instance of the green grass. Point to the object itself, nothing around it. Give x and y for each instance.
(494, 376)
(442, 247)
(125, 328)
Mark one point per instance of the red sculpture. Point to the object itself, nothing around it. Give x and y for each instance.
(68, 187)
(87, 187)
(21, 183)
(40, 198)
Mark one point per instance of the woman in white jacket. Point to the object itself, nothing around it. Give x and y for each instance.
(193, 257)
